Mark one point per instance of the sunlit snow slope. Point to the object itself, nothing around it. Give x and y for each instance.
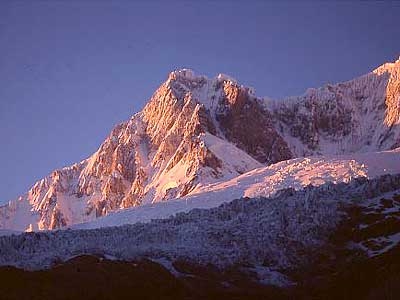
(296, 173)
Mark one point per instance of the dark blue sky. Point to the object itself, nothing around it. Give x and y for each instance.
(70, 71)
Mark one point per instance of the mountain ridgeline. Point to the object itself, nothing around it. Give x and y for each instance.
(196, 131)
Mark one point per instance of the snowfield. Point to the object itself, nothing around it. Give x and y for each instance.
(262, 182)
(279, 232)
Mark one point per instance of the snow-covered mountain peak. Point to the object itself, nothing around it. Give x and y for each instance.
(181, 139)
(389, 67)
(183, 74)
(189, 75)
(196, 131)
(358, 115)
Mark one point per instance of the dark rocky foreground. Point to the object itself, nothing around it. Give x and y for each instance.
(88, 277)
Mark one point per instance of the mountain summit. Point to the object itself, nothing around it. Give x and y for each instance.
(196, 131)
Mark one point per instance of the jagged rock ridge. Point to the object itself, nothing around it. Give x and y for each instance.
(360, 115)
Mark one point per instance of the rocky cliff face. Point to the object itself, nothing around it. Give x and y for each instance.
(359, 115)
(245, 122)
(195, 131)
